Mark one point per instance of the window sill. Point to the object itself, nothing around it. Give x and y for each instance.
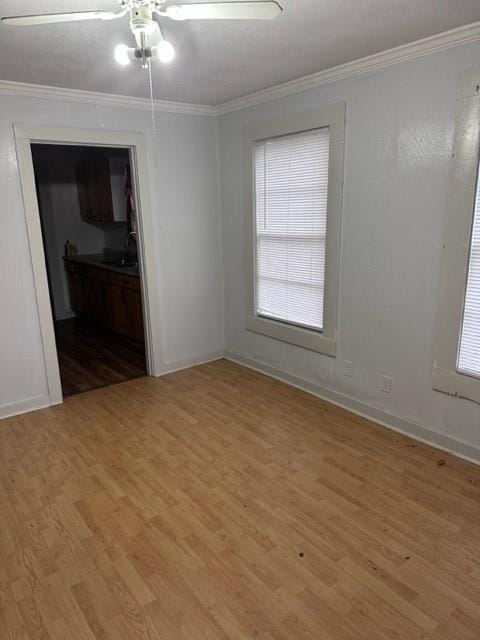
(299, 336)
(456, 384)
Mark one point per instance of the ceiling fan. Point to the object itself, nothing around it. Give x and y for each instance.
(147, 31)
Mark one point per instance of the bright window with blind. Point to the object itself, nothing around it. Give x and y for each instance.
(291, 193)
(293, 203)
(469, 347)
(456, 362)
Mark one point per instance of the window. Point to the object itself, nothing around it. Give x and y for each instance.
(294, 169)
(291, 180)
(456, 366)
(469, 348)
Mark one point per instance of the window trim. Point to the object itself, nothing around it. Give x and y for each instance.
(456, 244)
(333, 117)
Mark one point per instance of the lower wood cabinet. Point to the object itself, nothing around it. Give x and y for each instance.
(109, 298)
(96, 305)
(116, 312)
(77, 288)
(134, 314)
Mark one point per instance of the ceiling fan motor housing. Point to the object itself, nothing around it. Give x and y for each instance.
(141, 19)
(143, 26)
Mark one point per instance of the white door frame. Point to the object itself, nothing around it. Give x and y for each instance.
(25, 135)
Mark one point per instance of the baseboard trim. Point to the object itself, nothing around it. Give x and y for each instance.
(41, 402)
(395, 423)
(68, 315)
(179, 365)
(9, 410)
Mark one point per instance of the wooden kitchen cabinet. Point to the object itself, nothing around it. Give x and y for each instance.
(96, 297)
(94, 190)
(106, 297)
(77, 289)
(116, 312)
(101, 189)
(124, 311)
(134, 315)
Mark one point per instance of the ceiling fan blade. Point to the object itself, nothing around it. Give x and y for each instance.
(50, 18)
(262, 10)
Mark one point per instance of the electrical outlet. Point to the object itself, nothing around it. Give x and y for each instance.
(348, 368)
(386, 384)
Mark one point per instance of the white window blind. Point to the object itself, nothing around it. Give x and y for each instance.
(291, 189)
(469, 350)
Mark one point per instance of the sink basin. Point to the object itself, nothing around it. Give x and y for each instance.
(121, 263)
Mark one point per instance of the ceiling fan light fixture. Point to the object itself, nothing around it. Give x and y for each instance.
(148, 31)
(165, 51)
(122, 54)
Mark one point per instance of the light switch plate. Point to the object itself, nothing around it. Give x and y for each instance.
(348, 368)
(386, 383)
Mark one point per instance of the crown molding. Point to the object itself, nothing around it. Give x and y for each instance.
(461, 35)
(432, 44)
(103, 99)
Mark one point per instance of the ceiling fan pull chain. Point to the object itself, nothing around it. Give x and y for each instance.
(152, 111)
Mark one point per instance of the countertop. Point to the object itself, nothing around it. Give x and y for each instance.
(102, 261)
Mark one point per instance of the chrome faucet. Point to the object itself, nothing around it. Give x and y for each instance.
(131, 234)
(130, 257)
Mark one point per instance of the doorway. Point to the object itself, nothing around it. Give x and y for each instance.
(93, 255)
(87, 213)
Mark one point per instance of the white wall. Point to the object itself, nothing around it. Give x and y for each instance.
(184, 186)
(399, 134)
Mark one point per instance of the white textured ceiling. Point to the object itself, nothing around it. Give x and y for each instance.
(220, 60)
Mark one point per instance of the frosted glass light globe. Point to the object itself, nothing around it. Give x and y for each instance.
(165, 51)
(121, 54)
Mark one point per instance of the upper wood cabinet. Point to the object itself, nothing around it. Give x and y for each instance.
(101, 189)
